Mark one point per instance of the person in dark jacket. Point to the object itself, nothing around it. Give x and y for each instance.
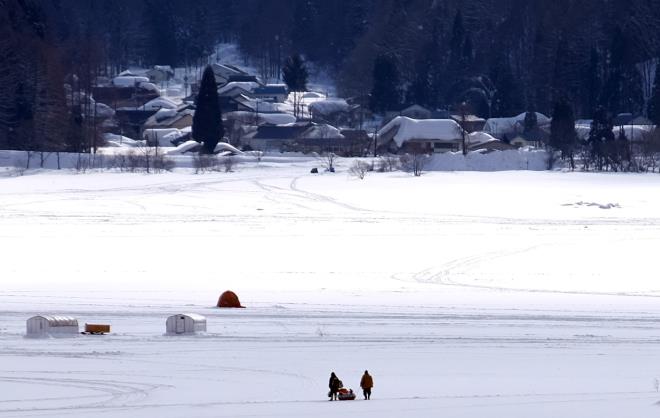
(366, 383)
(334, 384)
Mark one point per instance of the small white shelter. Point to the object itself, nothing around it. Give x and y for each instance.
(52, 325)
(185, 324)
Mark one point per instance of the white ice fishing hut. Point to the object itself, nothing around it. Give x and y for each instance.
(52, 325)
(185, 324)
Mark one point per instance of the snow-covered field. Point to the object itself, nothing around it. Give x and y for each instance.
(509, 294)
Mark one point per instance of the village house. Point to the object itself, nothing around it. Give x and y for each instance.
(471, 123)
(536, 137)
(273, 138)
(276, 93)
(121, 97)
(179, 118)
(336, 112)
(225, 73)
(160, 74)
(403, 134)
(508, 128)
(235, 89)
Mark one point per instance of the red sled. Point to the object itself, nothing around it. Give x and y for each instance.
(346, 394)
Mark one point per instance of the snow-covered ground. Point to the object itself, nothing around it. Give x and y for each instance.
(508, 294)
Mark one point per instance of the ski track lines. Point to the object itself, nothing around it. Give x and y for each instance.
(111, 392)
(292, 195)
(322, 198)
(120, 394)
(445, 275)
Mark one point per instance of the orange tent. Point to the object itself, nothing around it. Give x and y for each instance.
(229, 299)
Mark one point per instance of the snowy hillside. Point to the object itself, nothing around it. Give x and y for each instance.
(510, 294)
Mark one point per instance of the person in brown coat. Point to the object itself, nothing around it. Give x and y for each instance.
(366, 383)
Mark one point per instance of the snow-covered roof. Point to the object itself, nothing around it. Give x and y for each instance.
(261, 118)
(148, 86)
(129, 81)
(223, 146)
(313, 95)
(478, 138)
(322, 132)
(114, 140)
(164, 113)
(166, 118)
(104, 111)
(329, 106)
(247, 86)
(227, 69)
(502, 126)
(408, 129)
(160, 103)
(194, 317)
(277, 118)
(59, 320)
(164, 68)
(271, 89)
(158, 134)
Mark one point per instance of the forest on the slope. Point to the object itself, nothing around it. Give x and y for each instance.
(502, 57)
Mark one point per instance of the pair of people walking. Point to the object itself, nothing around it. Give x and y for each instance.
(366, 383)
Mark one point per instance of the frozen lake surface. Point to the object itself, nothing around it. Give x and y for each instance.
(511, 294)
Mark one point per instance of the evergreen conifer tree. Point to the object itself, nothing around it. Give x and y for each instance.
(385, 92)
(600, 135)
(295, 75)
(562, 130)
(654, 102)
(207, 122)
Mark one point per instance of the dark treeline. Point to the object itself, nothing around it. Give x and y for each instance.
(501, 57)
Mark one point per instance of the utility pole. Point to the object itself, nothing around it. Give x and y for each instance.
(463, 113)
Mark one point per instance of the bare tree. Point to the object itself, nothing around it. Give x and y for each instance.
(328, 161)
(414, 163)
(647, 71)
(388, 163)
(650, 151)
(359, 169)
(204, 163)
(228, 163)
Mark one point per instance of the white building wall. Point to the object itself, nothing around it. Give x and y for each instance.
(185, 324)
(45, 325)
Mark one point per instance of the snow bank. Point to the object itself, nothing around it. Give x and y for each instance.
(431, 129)
(491, 161)
(184, 147)
(633, 132)
(162, 136)
(113, 140)
(223, 146)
